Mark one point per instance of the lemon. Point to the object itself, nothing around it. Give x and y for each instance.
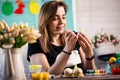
(112, 60)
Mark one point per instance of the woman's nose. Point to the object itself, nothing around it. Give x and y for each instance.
(61, 20)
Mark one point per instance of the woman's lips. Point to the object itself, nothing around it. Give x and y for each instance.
(60, 28)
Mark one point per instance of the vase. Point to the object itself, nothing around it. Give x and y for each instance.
(8, 70)
(14, 67)
(105, 49)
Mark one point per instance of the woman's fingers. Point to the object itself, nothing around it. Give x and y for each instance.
(86, 38)
(85, 44)
(83, 40)
(70, 35)
(70, 40)
(82, 44)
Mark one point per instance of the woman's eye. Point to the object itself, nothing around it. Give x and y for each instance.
(64, 17)
(55, 18)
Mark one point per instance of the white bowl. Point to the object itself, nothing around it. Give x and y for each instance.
(35, 68)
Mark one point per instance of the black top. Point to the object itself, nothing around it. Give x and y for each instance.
(51, 56)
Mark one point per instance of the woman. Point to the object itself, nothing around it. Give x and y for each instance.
(54, 47)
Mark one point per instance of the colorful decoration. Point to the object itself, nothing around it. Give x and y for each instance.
(104, 38)
(21, 5)
(17, 35)
(95, 72)
(41, 76)
(76, 72)
(115, 64)
(34, 7)
(7, 8)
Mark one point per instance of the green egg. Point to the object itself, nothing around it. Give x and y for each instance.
(118, 55)
(118, 58)
(7, 8)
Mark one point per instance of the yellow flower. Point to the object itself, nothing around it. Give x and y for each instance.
(104, 38)
(1, 26)
(1, 37)
(25, 38)
(17, 35)
(6, 26)
(5, 35)
(31, 41)
(12, 41)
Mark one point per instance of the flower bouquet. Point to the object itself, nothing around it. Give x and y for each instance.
(99, 39)
(11, 40)
(17, 35)
(105, 44)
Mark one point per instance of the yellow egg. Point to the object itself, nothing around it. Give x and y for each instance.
(80, 75)
(112, 60)
(78, 71)
(82, 31)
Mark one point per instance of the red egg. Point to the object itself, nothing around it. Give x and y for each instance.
(118, 70)
(114, 70)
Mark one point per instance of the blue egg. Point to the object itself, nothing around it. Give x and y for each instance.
(118, 61)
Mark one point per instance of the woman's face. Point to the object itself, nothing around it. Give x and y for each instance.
(58, 24)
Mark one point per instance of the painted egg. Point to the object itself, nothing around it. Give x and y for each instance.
(118, 61)
(112, 60)
(68, 71)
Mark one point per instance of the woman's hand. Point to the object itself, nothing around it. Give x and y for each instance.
(86, 45)
(70, 41)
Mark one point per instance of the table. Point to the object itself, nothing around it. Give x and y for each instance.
(99, 77)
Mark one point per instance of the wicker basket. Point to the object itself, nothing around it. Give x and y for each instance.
(115, 68)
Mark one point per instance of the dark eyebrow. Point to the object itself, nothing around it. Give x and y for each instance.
(62, 15)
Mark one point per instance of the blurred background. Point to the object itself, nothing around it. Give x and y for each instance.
(90, 16)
